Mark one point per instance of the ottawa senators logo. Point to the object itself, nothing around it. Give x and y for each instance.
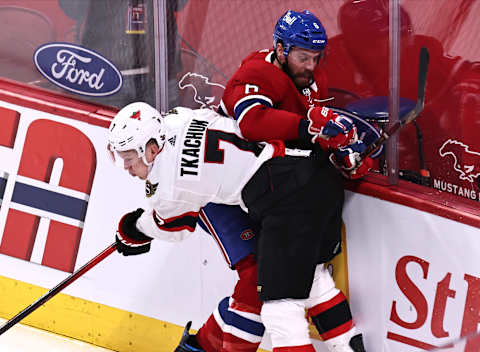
(150, 188)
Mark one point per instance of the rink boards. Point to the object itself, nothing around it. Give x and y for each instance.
(61, 202)
(409, 267)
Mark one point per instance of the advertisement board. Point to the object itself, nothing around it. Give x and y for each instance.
(408, 268)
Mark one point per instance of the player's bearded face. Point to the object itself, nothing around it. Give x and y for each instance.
(301, 65)
(133, 164)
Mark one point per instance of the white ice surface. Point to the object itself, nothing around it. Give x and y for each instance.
(23, 338)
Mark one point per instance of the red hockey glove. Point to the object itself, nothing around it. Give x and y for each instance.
(131, 241)
(329, 129)
(347, 160)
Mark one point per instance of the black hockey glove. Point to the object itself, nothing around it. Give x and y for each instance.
(131, 241)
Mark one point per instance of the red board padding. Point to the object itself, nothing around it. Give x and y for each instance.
(419, 197)
(54, 103)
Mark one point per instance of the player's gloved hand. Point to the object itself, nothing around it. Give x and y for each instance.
(347, 160)
(131, 241)
(329, 129)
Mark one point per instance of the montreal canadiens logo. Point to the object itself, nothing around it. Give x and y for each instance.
(366, 132)
(77, 69)
(247, 235)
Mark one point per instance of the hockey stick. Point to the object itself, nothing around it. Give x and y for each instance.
(412, 115)
(7, 325)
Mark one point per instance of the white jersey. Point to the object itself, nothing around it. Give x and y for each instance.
(203, 160)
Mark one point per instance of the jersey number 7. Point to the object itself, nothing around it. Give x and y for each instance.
(213, 152)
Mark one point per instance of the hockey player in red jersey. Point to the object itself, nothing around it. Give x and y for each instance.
(272, 91)
(270, 96)
(296, 90)
(288, 122)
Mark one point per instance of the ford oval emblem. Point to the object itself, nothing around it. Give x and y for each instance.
(77, 69)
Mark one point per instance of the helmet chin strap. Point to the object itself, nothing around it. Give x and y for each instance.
(284, 66)
(144, 159)
(150, 164)
(149, 167)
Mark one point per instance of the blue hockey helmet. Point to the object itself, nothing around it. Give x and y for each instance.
(300, 29)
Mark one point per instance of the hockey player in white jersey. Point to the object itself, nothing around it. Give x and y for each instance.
(297, 199)
(138, 134)
(201, 167)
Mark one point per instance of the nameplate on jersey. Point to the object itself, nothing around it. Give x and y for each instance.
(192, 149)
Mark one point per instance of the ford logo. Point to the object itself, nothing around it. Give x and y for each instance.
(77, 69)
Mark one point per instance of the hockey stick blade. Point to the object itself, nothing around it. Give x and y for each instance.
(412, 115)
(105, 253)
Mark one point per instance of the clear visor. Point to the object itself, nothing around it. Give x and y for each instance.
(123, 159)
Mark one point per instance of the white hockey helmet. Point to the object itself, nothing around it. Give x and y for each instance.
(133, 126)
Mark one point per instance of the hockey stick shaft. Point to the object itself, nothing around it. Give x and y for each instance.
(412, 115)
(74, 276)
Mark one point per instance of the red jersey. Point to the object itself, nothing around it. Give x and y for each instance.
(266, 103)
(450, 120)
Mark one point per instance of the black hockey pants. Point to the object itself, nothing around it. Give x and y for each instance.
(298, 202)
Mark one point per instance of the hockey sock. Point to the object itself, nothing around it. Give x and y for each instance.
(333, 317)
